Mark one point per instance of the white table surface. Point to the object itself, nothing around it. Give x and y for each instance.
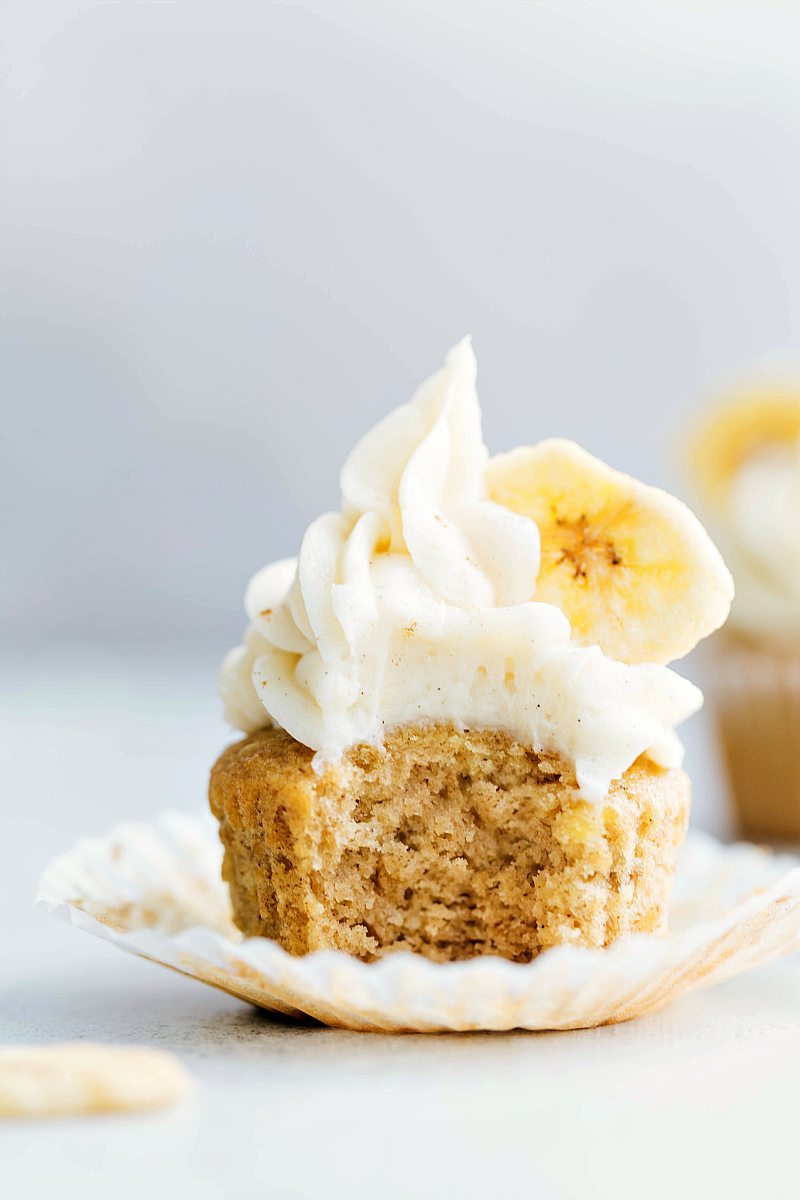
(698, 1101)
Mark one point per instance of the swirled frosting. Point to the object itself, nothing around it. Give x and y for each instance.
(763, 542)
(415, 603)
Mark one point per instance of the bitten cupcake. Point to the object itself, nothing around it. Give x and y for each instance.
(746, 459)
(460, 720)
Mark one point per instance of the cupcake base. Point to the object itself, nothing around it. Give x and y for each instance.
(757, 703)
(155, 889)
(447, 843)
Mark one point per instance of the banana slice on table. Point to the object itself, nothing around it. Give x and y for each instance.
(735, 430)
(630, 566)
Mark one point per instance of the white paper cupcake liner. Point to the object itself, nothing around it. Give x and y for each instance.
(155, 890)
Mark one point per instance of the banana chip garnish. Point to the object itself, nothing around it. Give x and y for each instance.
(630, 566)
(736, 430)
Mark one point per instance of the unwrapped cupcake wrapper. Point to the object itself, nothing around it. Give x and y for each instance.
(756, 696)
(155, 890)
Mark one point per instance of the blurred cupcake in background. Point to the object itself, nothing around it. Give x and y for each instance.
(745, 457)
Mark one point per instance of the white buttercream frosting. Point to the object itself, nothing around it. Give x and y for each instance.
(415, 603)
(763, 541)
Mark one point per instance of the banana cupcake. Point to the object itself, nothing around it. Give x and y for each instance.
(460, 720)
(746, 460)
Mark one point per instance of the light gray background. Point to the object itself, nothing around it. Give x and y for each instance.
(233, 236)
(236, 234)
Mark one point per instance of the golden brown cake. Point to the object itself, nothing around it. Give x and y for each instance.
(447, 843)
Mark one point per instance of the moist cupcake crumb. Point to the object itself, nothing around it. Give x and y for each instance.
(448, 843)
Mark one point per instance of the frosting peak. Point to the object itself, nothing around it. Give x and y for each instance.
(416, 602)
(419, 477)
